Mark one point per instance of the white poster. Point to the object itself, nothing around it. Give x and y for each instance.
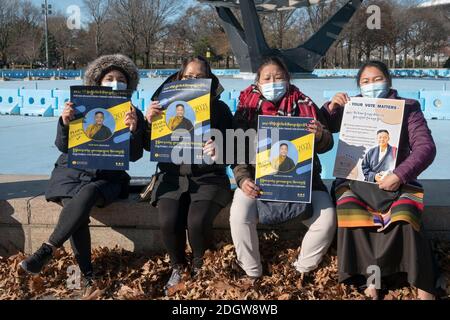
(369, 139)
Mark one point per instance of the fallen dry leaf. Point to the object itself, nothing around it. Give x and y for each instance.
(126, 275)
(94, 295)
(176, 288)
(36, 284)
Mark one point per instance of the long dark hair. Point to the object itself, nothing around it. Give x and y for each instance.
(376, 64)
(202, 60)
(179, 75)
(276, 61)
(188, 60)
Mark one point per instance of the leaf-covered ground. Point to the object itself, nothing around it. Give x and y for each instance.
(125, 275)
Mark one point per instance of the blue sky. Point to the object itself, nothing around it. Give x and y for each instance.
(62, 5)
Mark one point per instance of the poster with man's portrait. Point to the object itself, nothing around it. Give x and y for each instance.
(284, 159)
(369, 139)
(177, 134)
(98, 137)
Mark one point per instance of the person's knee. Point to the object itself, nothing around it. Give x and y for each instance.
(241, 215)
(89, 191)
(327, 220)
(235, 217)
(198, 224)
(324, 216)
(321, 200)
(242, 211)
(170, 225)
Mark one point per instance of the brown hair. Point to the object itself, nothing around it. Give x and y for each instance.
(276, 61)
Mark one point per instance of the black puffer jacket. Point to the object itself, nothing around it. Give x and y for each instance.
(66, 182)
(202, 181)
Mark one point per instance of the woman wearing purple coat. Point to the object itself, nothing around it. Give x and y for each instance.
(384, 244)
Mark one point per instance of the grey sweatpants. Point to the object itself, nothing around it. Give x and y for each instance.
(244, 219)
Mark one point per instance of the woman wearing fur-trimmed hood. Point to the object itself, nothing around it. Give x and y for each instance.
(78, 191)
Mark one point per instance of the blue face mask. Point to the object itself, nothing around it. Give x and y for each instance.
(115, 85)
(375, 90)
(274, 91)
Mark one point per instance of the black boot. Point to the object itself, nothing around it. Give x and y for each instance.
(197, 264)
(34, 263)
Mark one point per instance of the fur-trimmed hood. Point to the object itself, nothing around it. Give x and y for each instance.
(96, 70)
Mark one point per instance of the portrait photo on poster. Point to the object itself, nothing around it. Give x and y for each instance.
(99, 124)
(283, 156)
(180, 115)
(379, 160)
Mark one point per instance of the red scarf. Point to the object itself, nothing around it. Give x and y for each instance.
(294, 103)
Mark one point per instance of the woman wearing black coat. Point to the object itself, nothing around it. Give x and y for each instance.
(78, 191)
(189, 196)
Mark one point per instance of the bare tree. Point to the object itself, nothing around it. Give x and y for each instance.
(279, 25)
(317, 15)
(98, 10)
(27, 34)
(8, 18)
(64, 39)
(129, 17)
(155, 17)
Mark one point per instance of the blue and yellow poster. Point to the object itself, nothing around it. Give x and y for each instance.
(98, 137)
(284, 159)
(177, 134)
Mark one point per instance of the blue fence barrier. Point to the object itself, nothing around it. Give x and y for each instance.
(150, 73)
(135, 100)
(397, 73)
(10, 101)
(145, 98)
(61, 97)
(37, 102)
(437, 104)
(69, 74)
(226, 72)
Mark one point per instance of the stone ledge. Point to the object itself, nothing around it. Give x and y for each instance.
(27, 219)
(131, 213)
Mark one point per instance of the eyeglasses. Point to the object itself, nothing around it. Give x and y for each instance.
(191, 77)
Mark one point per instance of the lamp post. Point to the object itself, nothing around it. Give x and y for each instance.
(208, 54)
(46, 10)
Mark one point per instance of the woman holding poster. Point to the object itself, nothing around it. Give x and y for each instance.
(392, 240)
(189, 196)
(78, 191)
(274, 95)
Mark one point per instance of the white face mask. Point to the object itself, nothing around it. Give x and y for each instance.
(274, 91)
(115, 85)
(375, 90)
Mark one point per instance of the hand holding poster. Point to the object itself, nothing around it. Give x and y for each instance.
(369, 138)
(98, 137)
(186, 106)
(284, 159)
